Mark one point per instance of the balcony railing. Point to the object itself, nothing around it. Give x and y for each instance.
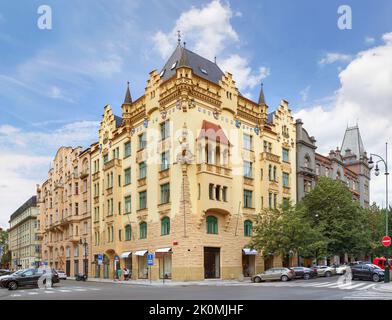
(112, 163)
(84, 174)
(214, 169)
(270, 157)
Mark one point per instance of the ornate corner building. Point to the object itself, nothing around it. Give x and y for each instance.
(348, 164)
(183, 173)
(65, 214)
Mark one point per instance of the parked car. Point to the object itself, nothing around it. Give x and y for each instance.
(4, 272)
(28, 277)
(283, 274)
(304, 273)
(62, 275)
(11, 273)
(341, 268)
(325, 271)
(367, 271)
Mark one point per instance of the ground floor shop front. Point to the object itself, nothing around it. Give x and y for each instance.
(175, 263)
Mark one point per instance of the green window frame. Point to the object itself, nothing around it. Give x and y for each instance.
(165, 193)
(143, 230)
(127, 204)
(165, 226)
(248, 227)
(127, 149)
(248, 198)
(285, 155)
(142, 170)
(128, 232)
(143, 200)
(285, 178)
(127, 176)
(212, 225)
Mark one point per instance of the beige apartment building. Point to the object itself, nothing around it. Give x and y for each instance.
(182, 175)
(65, 214)
(24, 242)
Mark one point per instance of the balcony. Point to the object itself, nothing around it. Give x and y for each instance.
(112, 163)
(84, 174)
(74, 238)
(270, 157)
(58, 185)
(214, 169)
(96, 176)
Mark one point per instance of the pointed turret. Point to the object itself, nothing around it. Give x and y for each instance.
(261, 96)
(128, 98)
(352, 140)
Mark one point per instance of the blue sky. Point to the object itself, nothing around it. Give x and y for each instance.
(55, 83)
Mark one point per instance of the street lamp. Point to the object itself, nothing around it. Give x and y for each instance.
(85, 244)
(377, 172)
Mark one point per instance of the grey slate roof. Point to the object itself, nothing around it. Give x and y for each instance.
(118, 121)
(32, 202)
(261, 96)
(352, 140)
(271, 117)
(184, 57)
(128, 97)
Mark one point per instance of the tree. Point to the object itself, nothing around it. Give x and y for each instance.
(5, 258)
(282, 232)
(331, 210)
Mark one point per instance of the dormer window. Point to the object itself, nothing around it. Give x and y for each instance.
(203, 70)
(162, 73)
(173, 65)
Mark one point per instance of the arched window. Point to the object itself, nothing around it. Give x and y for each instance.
(143, 230)
(248, 228)
(212, 225)
(165, 226)
(128, 232)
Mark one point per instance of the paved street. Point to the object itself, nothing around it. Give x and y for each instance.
(315, 289)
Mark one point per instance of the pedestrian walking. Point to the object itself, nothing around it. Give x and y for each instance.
(126, 274)
(119, 274)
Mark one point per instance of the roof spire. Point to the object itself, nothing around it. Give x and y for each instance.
(179, 37)
(128, 98)
(215, 59)
(261, 96)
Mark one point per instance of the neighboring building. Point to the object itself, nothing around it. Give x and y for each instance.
(24, 245)
(184, 172)
(65, 214)
(351, 166)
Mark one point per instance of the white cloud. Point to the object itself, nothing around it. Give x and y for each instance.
(332, 57)
(25, 158)
(369, 40)
(304, 94)
(364, 97)
(209, 32)
(242, 72)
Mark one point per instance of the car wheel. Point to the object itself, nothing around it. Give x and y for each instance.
(376, 278)
(257, 279)
(12, 285)
(284, 278)
(306, 276)
(328, 274)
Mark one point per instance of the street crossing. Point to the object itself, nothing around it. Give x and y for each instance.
(333, 284)
(50, 291)
(369, 295)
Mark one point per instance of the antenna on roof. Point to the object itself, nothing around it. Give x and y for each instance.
(215, 59)
(184, 44)
(179, 37)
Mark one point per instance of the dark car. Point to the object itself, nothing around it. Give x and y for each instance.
(304, 273)
(4, 272)
(367, 271)
(28, 277)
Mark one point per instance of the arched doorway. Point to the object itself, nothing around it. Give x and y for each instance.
(106, 266)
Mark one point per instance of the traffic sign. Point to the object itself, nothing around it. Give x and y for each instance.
(150, 259)
(386, 241)
(100, 259)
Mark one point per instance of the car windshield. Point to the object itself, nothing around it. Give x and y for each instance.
(373, 266)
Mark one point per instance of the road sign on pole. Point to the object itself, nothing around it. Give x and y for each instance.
(386, 241)
(150, 259)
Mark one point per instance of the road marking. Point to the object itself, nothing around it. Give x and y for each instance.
(32, 293)
(64, 290)
(368, 286)
(80, 290)
(16, 295)
(47, 291)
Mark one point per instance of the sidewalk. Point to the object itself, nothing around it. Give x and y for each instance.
(384, 287)
(172, 283)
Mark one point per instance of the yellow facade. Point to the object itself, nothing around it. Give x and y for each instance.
(214, 134)
(65, 214)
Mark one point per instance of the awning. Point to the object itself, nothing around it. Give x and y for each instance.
(140, 253)
(160, 252)
(125, 254)
(248, 251)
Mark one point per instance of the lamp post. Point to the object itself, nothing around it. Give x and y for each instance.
(85, 244)
(377, 172)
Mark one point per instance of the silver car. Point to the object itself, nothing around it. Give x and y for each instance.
(325, 271)
(283, 274)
